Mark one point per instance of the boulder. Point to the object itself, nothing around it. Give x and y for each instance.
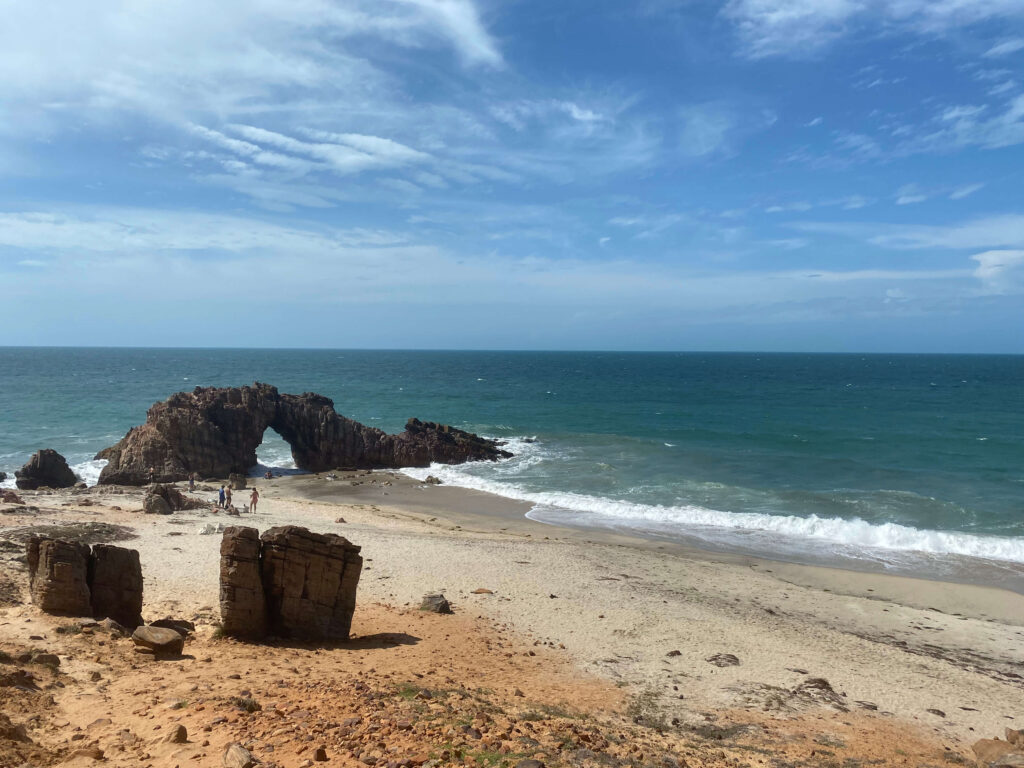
(58, 573)
(3, 476)
(215, 432)
(1015, 736)
(154, 504)
(431, 480)
(46, 469)
(115, 583)
(310, 581)
(436, 603)
(182, 626)
(236, 481)
(237, 756)
(7, 496)
(163, 499)
(243, 608)
(160, 640)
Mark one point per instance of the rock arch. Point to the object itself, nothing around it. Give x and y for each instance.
(215, 431)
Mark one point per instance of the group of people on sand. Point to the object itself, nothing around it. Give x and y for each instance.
(224, 498)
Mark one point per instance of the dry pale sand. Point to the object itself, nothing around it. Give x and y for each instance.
(940, 661)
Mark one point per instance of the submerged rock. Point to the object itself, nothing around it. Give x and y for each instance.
(46, 469)
(215, 432)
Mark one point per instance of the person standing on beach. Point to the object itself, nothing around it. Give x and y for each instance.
(221, 497)
(191, 482)
(253, 499)
(227, 497)
(152, 475)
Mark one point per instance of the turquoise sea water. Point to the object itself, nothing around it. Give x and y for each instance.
(909, 462)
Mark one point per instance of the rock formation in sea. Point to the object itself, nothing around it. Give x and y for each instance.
(290, 582)
(215, 432)
(46, 469)
(67, 577)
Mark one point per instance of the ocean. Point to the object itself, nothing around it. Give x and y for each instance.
(902, 463)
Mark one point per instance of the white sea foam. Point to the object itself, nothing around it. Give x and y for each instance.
(90, 470)
(702, 522)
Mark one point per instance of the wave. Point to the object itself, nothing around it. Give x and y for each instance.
(851, 535)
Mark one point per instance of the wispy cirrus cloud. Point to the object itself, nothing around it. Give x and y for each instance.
(798, 28)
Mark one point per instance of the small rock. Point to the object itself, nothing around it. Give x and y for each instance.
(431, 480)
(436, 604)
(46, 659)
(178, 735)
(320, 755)
(483, 591)
(237, 756)
(674, 653)
(530, 763)
(936, 712)
(723, 660)
(160, 640)
(341, 520)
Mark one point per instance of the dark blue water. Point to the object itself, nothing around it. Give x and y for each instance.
(884, 457)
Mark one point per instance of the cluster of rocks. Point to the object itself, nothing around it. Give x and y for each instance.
(70, 578)
(214, 432)
(996, 753)
(46, 469)
(289, 583)
(162, 499)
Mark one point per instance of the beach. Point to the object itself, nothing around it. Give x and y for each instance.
(696, 637)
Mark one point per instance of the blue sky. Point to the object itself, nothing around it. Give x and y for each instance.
(833, 175)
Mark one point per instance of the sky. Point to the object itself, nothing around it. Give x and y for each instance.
(802, 175)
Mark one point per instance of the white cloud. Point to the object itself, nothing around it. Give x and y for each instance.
(910, 194)
(803, 27)
(1000, 271)
(966, 191)
(1005, 231)
(189, 59)
(1005, 48)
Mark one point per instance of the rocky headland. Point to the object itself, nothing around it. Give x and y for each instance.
(215, 431)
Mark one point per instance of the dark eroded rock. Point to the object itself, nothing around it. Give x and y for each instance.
(243, 608)
(237, 482)
(115, 583)
(58, 576)
(215, 432)
(310, 581)
(46, 469)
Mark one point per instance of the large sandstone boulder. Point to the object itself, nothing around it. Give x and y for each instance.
(237, 482)
(243, 609)
(290, 582)
(46, 469)
(215, 432)
(66, 577)
(310, 581)
(58, 573)
(115, 584)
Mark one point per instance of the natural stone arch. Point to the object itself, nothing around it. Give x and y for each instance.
(215, 432)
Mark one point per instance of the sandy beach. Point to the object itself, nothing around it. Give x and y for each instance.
(675, 642)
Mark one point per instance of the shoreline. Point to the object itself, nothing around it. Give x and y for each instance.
(454, 500)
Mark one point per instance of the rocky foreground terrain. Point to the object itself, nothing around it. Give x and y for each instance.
(480, 688)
